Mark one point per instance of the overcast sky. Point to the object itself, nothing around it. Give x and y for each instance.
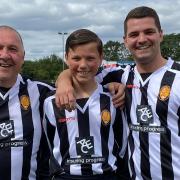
(39, 21)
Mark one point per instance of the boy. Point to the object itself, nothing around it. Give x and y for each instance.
(87, 140)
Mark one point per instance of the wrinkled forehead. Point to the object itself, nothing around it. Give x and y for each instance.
(8, 35)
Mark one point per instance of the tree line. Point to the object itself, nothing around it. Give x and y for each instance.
(48, 68)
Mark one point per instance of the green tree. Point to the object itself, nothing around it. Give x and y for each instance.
(114, 50)
(170, 46)
(46, 69)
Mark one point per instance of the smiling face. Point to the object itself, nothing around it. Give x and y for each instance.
(143, 40)
(11, 56)
(84, 61)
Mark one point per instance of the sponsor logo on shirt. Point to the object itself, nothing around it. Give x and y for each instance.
(85, 150)
(61, 120)
(85, 160)
(144, 128)
(6, 129)
(84, 145)
(131, 86)
(144, 114)
(25, 102)
(15, 143)
(106, 117)
(164, 93)
(145, 121)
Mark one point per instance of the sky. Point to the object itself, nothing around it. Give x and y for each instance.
(40, 21)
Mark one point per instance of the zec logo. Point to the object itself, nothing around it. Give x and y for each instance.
(6, 129)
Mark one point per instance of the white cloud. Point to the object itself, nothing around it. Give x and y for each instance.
(39, 21)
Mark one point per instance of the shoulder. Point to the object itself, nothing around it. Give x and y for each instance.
(30, 81)
(176, 66)
(50, 98)
(114, 69)
(103, 91)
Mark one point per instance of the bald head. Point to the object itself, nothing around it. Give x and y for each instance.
(4, 27)
(11, 55)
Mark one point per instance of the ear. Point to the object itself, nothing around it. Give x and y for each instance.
(66, 58)
(101, 59)
(161, 35)
(23, 57)
(125, 41)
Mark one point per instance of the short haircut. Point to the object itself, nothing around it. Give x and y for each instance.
(83, 36)
(142, 12)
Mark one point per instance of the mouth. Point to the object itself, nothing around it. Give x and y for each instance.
(142, 47)
(5, 65)
(83, 72)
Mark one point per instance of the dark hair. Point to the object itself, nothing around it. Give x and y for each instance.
(142, 12)
(83, 36)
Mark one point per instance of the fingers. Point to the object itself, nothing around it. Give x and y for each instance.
(119, 100)
(65, 99)
(118, 94)
(70, 102)
(111, 88)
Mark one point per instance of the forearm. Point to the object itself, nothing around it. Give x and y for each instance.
(64, 76)
(65, 97)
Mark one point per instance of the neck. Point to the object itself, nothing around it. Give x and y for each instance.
(7, 83)
(150, 67)
(84, 90)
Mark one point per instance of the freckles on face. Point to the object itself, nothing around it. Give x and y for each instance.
(84, 55)
(83, 61)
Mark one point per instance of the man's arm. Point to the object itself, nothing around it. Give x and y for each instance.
(65, 96)
(117, 91)
(43, 160)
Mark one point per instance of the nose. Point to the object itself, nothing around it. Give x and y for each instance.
(83, 63)
(142, 38)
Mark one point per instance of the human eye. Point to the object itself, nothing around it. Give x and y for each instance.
(150, 31)
(13, 49)
(133, 35)
(75, 58)
(91, 58)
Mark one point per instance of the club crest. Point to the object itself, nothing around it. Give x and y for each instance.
(106, 117)
(164, 92)
(25, 102)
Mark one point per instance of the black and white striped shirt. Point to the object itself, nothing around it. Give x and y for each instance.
(85, 142)
(20, 129)
(153, 115)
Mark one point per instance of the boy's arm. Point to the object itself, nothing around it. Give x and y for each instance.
(121, 135)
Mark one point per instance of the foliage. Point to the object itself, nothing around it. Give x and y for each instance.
(170, 46)
(114, 50)
(46, 69)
